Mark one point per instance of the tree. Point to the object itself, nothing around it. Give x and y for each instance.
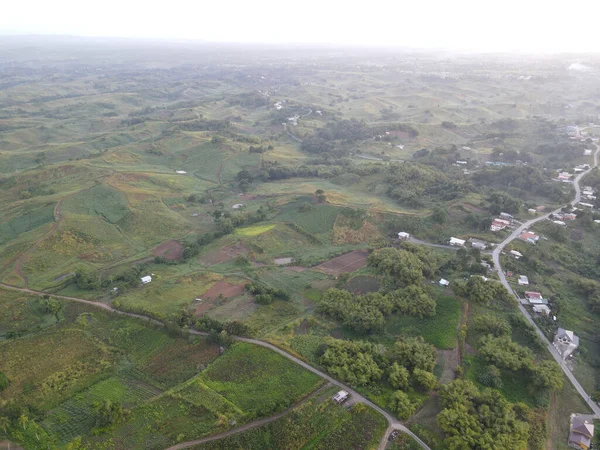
(4, 423)
(401, 266)
(504, 353)
(414, 353)
(398, 376)
(23, 420)
(400, 403)
(425, 379)
(52, 306)
(320, 194)
(413, 300)
(86, 279)
(491, 324)
(548, 374)
(109, 413)
(351, 361)
(439, 215)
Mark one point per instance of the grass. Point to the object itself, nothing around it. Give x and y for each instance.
(254, 230)
(22, 313)
(439, 330)
(259, 381)
(102, 200)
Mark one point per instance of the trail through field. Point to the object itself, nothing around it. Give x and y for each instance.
(248, 426)
(393, 423)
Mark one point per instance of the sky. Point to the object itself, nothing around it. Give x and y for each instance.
(548, 26)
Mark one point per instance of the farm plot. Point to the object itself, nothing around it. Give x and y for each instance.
(20, 313)
(347, 263)
(221, 289)
(257, 380)
(316, 424)
(170, 250)
(223, 254)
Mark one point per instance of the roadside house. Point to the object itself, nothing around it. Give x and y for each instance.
(478, 244)
(499, 224)
(340, 397)
(529, 236)
(457, 242)
(516, 254)
(523, 280)
(541, 309)
(147, 279)
(581, 431)
(565, 342)
(403, 236)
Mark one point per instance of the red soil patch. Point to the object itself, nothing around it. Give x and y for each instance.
(346, 263)
(228, 290)
(170, 250)
(223, 254)
(247, 197)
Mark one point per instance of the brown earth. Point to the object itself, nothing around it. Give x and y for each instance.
(170, 250)
(346, 263)
(223, 254)
(295, 268)
(227, 290)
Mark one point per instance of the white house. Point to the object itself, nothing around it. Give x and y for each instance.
(181, 172)
(340, 397)
(499, 224)
(541, 309)
(147, 279)
(457, 242)
(565, 342)
(476, 243)
(444, 282)
(403, 235)
(532, 211)
(506, 216)
(587, 153)
(516, 254)
(523, 280)
(237, 206)
(586, 205)
(559, 222)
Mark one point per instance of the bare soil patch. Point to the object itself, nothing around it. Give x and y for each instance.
(450, 361)
(363, 285)
(223, 254)
(344, 264)
(296, 268)
(210, 297)
(170, 250)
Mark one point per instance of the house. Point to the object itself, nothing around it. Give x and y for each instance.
(466, 148)
(565, 177)
(587, 153)
(559, 222)
(532, 211)
(499, 224)
(523, 280)
(457, 242)
(340, 397)
(597, 221)
(403, 236)
(444, 283)
(237, 206)
(577, 170)
(147, 279)
(529, 236)
(569, 216)
(565, 342)
(541, 309)
(461, 162)
(581, 431)
(506, 216)
(476, 243)
(181, 172)
(535, 298)
(516, 254)
(586, 205)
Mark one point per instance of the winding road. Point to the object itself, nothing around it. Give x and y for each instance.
(393, 423)
(496, 257)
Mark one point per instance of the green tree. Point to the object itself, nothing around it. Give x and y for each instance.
(52, 306)
(403, 267)
(351, 361)
(504, 353)
(398, 376)
(400, 403)
(109, 413)
(414, 353)
(492, 325)
(23, 421)
(548, 374)
(439, 215)
(4, 382)
(4, 423)
(425, 379)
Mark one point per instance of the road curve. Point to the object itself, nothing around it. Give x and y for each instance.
(496, 257)
(393, 423)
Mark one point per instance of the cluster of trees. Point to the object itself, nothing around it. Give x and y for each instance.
(481, 420)
(89, 279)
(264, 294)
(409, 363)
(413, 184)
(402, 267)
(502, 202)
(203, 124)
(489, 292)
(590, 290)
(367, 313)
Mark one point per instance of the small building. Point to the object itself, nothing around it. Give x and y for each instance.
(597, 221)
(515, 254)
(403, 236)
(541, 309)
(532, 211)
(457, 242)
(147, 279)
(565, 342)
(506, 216)
(569, 216)
(461, 162)
(237, 206)
(559, 222)
(587, 152)
(181, 172)
(340, 397)
(444, 282)
(581, 431)
(499, 224)
(586, 205)
(523, 280)
(529, 236)
(478, 244)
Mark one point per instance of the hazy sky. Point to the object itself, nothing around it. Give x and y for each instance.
(488, 25)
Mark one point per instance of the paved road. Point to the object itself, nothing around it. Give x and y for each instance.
(393, 423)
(496, 256)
